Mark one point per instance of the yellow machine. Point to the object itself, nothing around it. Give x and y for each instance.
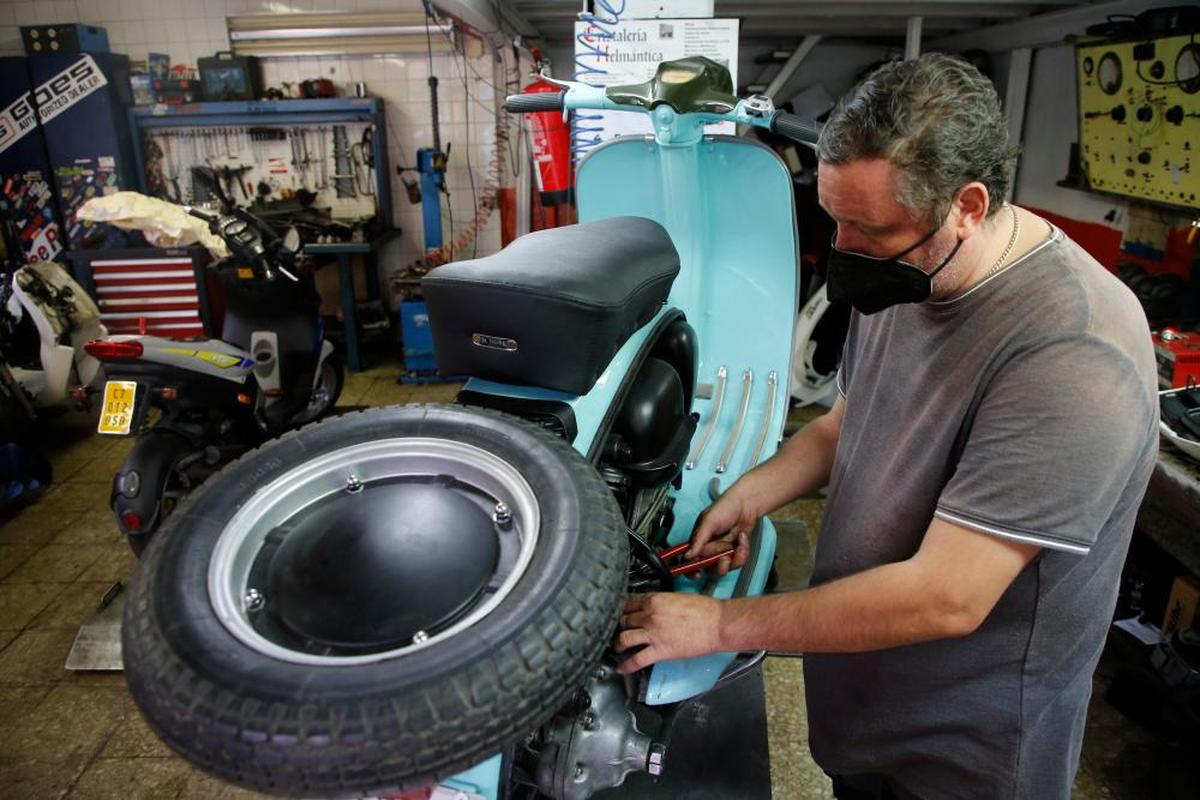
(1139, 118)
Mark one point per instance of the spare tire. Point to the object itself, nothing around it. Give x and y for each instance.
(347, 609)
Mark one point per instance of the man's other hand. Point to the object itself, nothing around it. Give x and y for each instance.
(725, 524)
(667, 626)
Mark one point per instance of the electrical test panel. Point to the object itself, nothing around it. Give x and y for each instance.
(1139, 118)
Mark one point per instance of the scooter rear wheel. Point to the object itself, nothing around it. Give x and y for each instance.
(348, 609)
(328, 389)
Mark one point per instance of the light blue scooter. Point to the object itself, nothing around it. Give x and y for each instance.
(392, 597)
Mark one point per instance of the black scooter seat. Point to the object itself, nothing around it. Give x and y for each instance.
(553, 307)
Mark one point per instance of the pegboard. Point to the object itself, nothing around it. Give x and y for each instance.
(1139, 118)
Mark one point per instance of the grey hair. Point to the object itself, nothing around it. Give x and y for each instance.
(937, 119)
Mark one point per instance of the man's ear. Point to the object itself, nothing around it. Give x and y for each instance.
(970, 208)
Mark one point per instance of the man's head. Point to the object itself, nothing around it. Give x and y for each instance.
(937, 121)
(918, 147)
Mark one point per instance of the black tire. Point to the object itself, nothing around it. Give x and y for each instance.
(333, 371)
(401, 723)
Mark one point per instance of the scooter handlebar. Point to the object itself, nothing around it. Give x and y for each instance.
(530, 102)
(198, 214)
(797, 128)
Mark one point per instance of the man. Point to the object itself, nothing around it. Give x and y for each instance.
(994, 435)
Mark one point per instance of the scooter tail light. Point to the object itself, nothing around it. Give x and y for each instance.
(245, 399)
(133, 523)
(168, 393)
(114, 351)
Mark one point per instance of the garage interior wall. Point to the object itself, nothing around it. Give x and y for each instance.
(190, 29)
(1051, 125)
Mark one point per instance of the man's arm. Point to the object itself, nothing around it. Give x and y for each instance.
(945, 590)
(801, 466)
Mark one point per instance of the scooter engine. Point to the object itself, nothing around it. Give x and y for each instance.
(595, 744)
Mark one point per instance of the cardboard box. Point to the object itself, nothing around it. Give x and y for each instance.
(1183, 605)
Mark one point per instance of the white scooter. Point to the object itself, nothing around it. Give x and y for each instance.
(46, 318)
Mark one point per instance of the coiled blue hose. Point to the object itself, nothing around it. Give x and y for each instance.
(585, 132)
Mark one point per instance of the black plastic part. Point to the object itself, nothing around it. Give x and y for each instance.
(680, 348)
(667, 463)
(530, 102)
(1181, 412)
(797, 128)
(652, 411)
(597, 448)
(554, 415)
(153, 456)
(364, 572)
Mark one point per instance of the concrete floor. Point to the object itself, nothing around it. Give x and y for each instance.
(78, 735)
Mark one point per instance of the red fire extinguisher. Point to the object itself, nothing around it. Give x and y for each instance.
(551, 144)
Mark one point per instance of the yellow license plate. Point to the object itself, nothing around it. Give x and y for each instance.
(116, 416)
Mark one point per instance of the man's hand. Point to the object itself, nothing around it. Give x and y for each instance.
(668, 626)
(726, 523)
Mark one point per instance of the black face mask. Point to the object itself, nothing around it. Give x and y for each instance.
(872, 284)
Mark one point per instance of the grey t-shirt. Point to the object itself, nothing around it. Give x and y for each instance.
(1026, 409)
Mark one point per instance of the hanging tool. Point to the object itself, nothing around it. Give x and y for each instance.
(324, 163)
(170, 170)
(363, 155)
(344, 174)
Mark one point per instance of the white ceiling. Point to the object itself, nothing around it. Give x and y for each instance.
(777, 20)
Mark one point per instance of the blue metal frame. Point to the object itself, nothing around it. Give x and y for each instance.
(433, 182)
(241, 113)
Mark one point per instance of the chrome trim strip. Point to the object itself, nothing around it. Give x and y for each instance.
(739, 423)
(711, 424)
(761, 440)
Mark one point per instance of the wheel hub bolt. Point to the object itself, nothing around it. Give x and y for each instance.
(420, 637)
(353, 484)
(502, 516)
(253, 600)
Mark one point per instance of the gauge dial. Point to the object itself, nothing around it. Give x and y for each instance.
(1187, 68)
(1109, 73)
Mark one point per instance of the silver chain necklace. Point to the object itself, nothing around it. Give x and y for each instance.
(1012, 240)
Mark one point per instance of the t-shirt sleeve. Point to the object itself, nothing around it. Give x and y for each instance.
(846, 365)
(1059, 432)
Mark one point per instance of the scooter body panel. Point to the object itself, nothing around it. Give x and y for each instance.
(590, 409)
(63, 366)
(740, 292)
(212, 357)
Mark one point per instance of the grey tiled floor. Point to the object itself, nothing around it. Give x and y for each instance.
(77, 735)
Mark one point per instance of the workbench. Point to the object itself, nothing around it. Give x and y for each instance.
(1170, 512)
(345, 253)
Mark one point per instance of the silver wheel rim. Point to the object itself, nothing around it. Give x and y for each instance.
(349, 470)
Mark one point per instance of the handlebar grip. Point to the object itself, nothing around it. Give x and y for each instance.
(797, 128)
(530, 102)
(198, 214)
